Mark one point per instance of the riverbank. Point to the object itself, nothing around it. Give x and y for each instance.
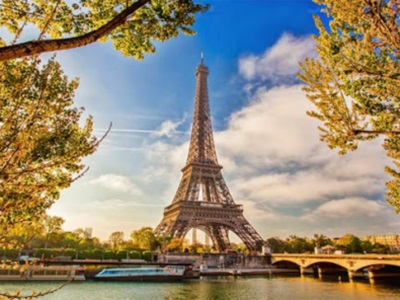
(246, 272)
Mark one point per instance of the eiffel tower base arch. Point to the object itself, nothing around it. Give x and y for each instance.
(216, 222)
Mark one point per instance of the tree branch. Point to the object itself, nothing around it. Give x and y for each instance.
(37, 47)
(359, 131)
(17, 295)
(46, 26)
(47, 164)
(360, 69)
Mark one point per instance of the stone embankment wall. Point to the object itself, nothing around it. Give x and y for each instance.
(217, 260)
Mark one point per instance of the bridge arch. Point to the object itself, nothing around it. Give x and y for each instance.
(286, 263)
(302, 264)
(277, 261)
(386, 264)
(327, 262)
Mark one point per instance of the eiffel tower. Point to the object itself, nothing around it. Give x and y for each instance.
(203, 200)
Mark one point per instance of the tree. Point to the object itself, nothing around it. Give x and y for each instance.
(145, 238)
(130, 25)
(176, 244)
(354, 81)
(320, 240)
(52, 224)
(41, 141)
(70, 240)
(295, 244)
(80, 234)
(197, 248)
(381, 249)
(276, 245)
(116, 238)
(163, 242)
(23, 235)
(367, 246)
(52, 227)
(350, 242)
(237, 247)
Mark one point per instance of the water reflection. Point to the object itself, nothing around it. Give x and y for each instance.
(215, 288)
(361, 286)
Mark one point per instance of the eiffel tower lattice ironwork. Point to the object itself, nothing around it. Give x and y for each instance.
(203, 200)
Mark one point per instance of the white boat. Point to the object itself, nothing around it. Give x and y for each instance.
(154, 273)
(41, 273)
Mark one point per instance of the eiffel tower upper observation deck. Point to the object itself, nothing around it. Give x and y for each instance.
(203, 200)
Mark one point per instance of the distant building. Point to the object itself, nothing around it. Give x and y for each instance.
(328, 249)
(207, 240)
(88, 232)
(194, 236)
(391, 240)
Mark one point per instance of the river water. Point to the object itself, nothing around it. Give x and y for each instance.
(215, 288)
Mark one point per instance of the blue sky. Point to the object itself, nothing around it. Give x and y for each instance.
(274, 164)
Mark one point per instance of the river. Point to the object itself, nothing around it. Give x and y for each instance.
(216, 288)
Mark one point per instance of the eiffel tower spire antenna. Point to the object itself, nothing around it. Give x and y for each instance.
(202, 148)
(203, 200)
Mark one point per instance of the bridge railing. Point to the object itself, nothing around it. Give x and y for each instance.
(339, 256)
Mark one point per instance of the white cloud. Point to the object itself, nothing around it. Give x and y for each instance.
(168, 127)
(279, 159)
(281, 60)
(116, 204)
(260, 211)
(345, 208)
(117, 183)
(273, 126)
(310, 185)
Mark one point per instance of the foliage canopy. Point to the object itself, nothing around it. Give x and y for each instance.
(131, 25)
(144, 238)
(354, 80)
(41, 141)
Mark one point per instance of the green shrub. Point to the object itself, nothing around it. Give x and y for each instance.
(70, 253)
(110, 255)
(135, 254)
(44, 253)
(83, 254)
(10, 253)
(97, 254)
(147, 255)
(121, 254)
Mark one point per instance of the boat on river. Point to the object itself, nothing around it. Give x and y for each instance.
(148, 273)
(41, 273)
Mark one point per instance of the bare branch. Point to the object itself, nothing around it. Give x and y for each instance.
(105, 134)
(17, 295)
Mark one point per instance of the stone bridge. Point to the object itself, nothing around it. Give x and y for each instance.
(351, 263)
